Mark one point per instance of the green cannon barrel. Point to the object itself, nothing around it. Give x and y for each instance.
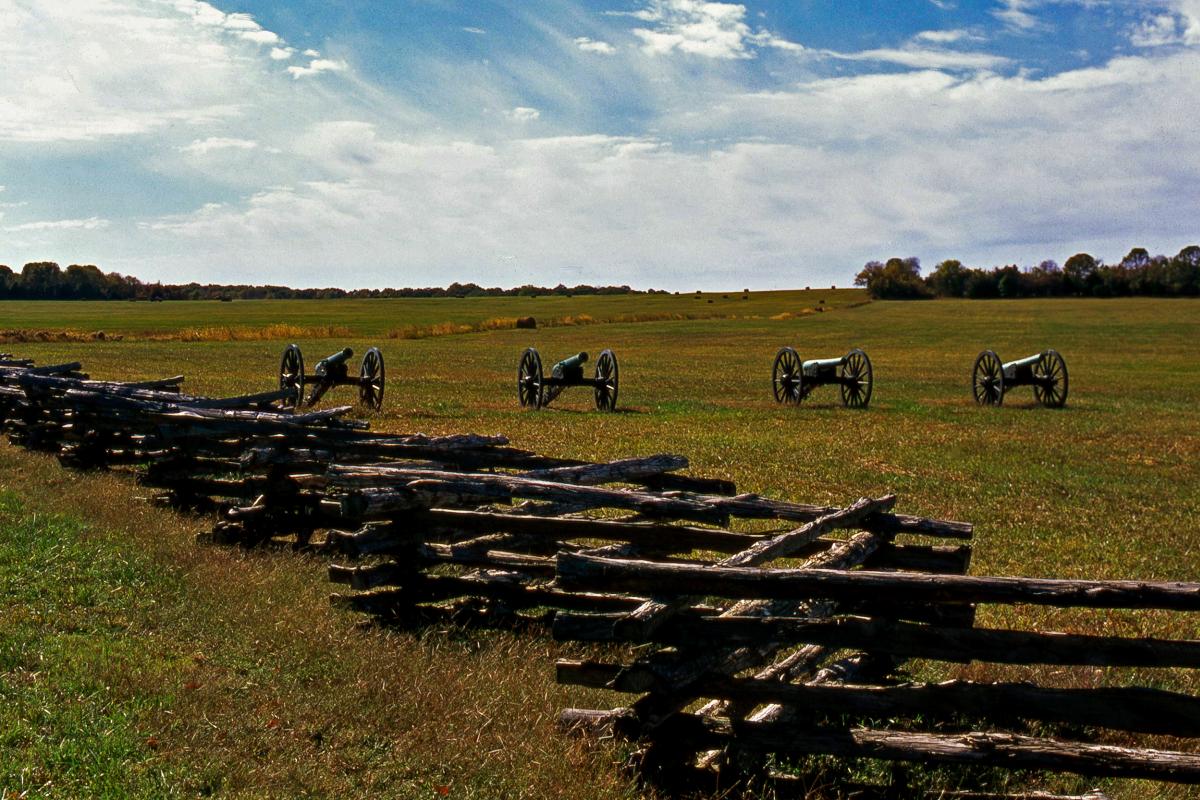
(574, 362)
(570, 369)
(335, 362)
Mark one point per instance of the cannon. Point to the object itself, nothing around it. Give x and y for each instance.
(535, 390)
(333, 370)
(792, 380)
(1046, 372)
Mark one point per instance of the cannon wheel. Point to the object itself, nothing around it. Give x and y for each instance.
(529, 379)
(787, 375)
(291, 374)
(608, 380)
(1051, 368)
(857, 379)
(370, 379)
(987, 379)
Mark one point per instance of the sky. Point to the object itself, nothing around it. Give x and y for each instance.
(674, 144)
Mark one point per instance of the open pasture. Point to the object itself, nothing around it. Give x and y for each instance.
(1105, 488)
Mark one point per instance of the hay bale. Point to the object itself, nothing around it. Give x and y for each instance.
(526, 322)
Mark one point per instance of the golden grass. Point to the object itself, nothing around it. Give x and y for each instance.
(225, 333)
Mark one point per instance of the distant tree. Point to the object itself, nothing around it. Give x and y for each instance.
(1008, 281)
(898, 279)
(41, 280)
(948, 279)
(1137, 258)
(981, 284)
(1044, 280)
(83, 282)
(1080, 271)
(1184, 272)
(9, 283)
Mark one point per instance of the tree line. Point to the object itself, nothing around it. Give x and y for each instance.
(1138, 273)
(45, 280)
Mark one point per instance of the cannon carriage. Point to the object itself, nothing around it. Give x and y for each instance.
(331, 371)
(792, 380)
(535, 389)
(1046, 372)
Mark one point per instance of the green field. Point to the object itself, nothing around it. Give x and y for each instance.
(133, 662)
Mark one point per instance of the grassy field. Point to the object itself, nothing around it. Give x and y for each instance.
(133, 662)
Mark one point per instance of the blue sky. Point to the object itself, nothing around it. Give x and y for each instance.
(667, 143)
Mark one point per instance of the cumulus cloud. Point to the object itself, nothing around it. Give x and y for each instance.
(317, 66)
(591, 46)
(700, 28)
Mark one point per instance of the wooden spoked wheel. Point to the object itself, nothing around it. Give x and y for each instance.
(787, 375)
(857, 379)
(370, 379)
(987, 379)
(1050, 380)
(529, 379)
(608, 379)
(291, 374)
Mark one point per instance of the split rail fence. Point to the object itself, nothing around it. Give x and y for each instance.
(747, 631)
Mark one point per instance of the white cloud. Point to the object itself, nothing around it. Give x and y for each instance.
(591, 46)
(1155, 31)
(479, 31)
(925, 58)
(312, 53)
(89, 224)
(1189, 11)
(987, 168)
(947, 37)
(316, 66)
(523, 114)
(282, 53)
(1016, 14)
(85, 70)
(700, 28)
(204, 146)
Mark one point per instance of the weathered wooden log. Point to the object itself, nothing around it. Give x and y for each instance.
(752, 506)
(1007, 750)
(55, 369)
(786, 786)
(581, 571)
(656, 535)
(478, 488)
(1134, 709)
(648, 617)
(628, 470)
(424, 588)
(393, 573)
(906, 640)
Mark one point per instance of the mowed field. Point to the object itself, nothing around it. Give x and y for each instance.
(134, 662)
